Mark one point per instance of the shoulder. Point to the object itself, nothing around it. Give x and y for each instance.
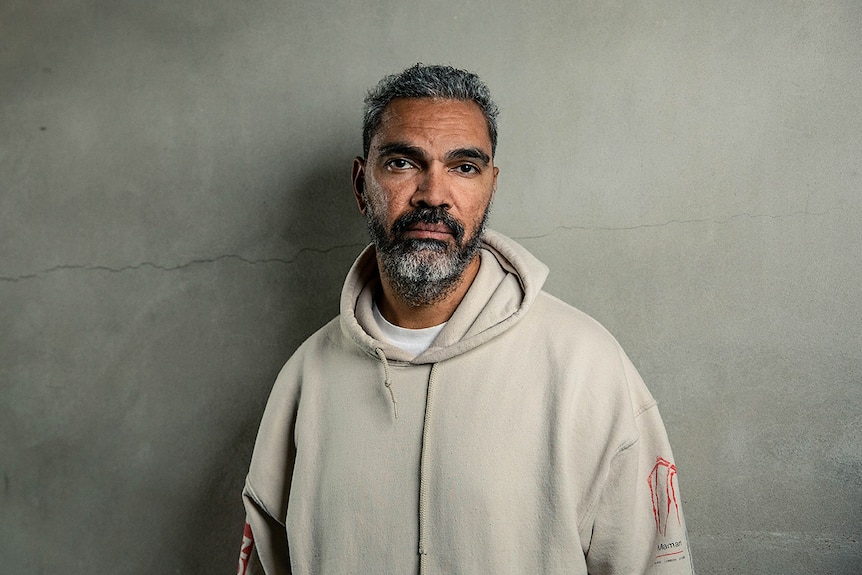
(314, 349)
(580, 344)
(326, 338)
(567, 324)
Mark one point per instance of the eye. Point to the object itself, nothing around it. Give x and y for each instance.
(467, 169)
(399, 164)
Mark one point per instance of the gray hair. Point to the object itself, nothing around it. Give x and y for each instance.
(421, 81)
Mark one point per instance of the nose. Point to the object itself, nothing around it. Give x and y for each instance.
(432, 189)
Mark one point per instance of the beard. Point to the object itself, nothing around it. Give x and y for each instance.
(423, 271)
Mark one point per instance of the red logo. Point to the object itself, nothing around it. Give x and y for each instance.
(662, 487)
(245, 550)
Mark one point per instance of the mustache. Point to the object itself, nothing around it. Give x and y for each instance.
(429, 215)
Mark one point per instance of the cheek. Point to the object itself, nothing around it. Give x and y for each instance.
(385, 208)
(375, 197)
(478, 207)
(389, 201)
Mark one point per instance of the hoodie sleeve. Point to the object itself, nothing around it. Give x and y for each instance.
(268, 483)
(264, 543)
(639, 525)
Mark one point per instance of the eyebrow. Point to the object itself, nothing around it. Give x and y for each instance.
(474, 153)
(401, 149)
(404, 149)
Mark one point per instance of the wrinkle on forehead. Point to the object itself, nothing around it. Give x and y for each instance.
(434, 122)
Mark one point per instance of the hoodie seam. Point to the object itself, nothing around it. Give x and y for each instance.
(644, 408)
(624, 447)
(251, 494)
(590, 510)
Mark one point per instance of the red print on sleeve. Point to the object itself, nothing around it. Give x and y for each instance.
(662, 487)
(245, 550)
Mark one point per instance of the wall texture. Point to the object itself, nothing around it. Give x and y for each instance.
(176, 216)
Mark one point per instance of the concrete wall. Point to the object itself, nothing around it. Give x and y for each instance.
(176, 216)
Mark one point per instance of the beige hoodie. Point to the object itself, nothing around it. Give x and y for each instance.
(522, 441)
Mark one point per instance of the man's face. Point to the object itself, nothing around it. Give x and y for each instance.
(425, 189)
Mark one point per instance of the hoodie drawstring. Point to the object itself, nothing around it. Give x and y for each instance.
(423, 472)
(423, 456)
(386, 380)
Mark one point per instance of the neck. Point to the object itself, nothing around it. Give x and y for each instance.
(400, 313)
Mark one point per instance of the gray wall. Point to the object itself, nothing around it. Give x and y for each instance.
(176, 216)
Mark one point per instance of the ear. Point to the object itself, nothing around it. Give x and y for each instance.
(358, 178)
(494, 187)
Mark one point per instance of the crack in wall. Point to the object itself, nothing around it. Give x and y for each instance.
(288, 261)
(175, 267)
(672, 222)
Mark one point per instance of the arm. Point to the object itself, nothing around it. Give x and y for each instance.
(639, 525)
(264, 543)
(265, 549)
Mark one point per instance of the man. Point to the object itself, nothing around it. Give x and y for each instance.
(455, 418)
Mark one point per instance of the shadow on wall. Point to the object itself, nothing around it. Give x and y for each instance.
(321, 233)
(321, 211)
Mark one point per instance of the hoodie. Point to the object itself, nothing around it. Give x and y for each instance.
(522, 441)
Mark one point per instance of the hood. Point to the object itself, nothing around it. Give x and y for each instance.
(509, 280)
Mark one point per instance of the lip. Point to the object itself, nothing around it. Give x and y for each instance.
(429, 231)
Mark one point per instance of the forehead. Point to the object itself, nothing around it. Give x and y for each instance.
(433, 122)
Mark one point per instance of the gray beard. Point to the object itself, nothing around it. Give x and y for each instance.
(423, 271)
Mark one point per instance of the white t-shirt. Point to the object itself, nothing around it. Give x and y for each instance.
(413, 341)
